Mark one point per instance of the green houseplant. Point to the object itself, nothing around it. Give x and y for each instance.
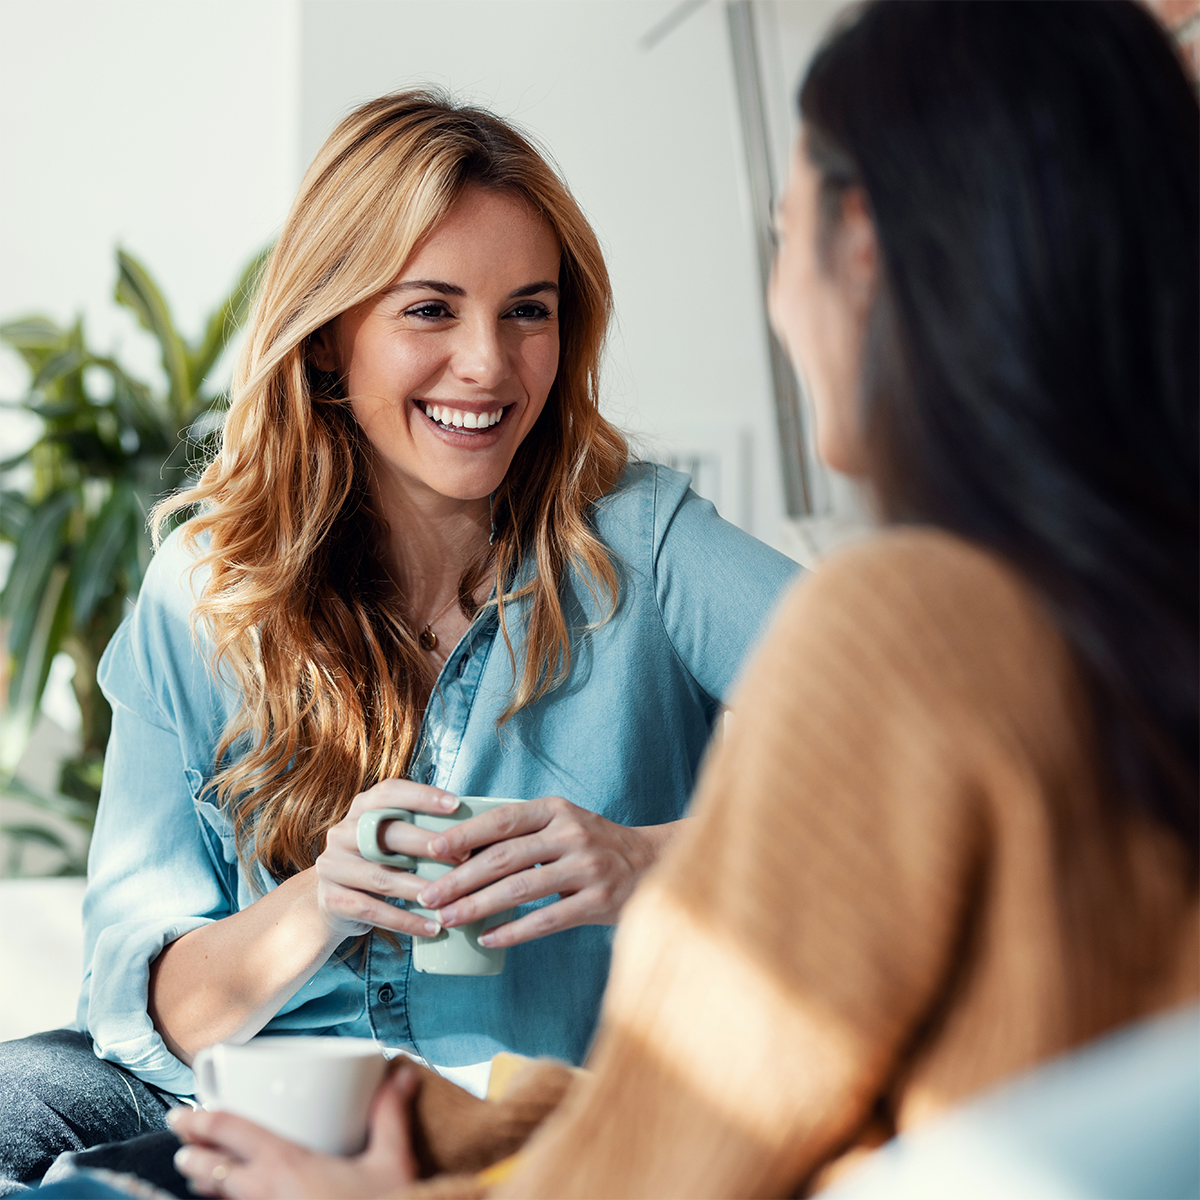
(74, 506)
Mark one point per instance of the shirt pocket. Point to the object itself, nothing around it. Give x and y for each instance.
(216, 831)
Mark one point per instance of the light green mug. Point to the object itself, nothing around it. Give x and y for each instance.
(452, 951)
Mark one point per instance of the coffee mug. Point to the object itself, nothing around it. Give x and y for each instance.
(312, 1090)
(452, 951)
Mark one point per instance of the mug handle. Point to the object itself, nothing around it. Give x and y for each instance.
(368, 837)
(204, 1067)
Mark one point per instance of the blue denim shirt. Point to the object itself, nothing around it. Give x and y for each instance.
(622, 736)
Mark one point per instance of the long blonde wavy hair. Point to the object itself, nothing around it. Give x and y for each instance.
(304, 617)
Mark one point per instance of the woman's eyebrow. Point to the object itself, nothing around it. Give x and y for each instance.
(532, 289)
(452, 289)
(427, 285)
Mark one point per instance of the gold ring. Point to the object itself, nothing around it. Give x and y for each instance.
(220, 1171)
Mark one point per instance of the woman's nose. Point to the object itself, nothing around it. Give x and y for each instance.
(480, 356)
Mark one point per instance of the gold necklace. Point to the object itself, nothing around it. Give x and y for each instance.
(427, 638)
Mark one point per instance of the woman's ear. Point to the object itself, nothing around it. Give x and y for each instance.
(322, 349)
(856, 251)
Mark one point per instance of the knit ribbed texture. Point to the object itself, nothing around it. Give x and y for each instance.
(903, 882)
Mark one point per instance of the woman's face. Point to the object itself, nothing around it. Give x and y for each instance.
(819, 305)
(448, 369)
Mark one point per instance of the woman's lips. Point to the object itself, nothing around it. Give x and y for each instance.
(495, 424)
(461, 420)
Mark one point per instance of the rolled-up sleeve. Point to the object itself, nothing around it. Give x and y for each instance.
(157, 868)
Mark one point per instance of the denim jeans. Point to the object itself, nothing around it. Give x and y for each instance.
(56, 1095)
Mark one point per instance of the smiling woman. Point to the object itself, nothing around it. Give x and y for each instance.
(420, 566)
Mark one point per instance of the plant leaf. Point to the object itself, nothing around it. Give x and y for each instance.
(31, 669)
(17, 459)
(37, 553)
(108, 540)
(33, 333)
(62, 363)
(137, 291)
(226, 320)
(34, 338)
(35, 833)
(14, 515)
(136, 406)
(55, 803)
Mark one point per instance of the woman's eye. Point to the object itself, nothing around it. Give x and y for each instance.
(530, 312)
(435, 310)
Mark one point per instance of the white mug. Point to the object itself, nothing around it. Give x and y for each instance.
(312, 1090)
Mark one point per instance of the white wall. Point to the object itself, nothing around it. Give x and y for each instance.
(168, 126)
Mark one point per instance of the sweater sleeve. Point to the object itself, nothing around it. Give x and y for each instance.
(770, 974)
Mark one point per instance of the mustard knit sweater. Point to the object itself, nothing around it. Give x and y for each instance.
(902, 883)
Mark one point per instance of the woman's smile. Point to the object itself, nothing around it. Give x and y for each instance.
(465, 426)
(459, 419)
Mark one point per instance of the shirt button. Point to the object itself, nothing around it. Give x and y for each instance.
(386, 993)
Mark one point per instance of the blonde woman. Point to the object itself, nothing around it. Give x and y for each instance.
(420, 566)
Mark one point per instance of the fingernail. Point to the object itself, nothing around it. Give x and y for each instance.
(182, 1155)
(486, 940)
(439, 846)
(174, 1116)
(432, 929)
(447, 917)
(449, 803)
(428, 898)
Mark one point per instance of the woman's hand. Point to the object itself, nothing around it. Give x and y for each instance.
(349, 886)
(230, 1156)
(540, 848)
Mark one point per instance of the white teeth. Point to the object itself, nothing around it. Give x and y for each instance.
(444, 415)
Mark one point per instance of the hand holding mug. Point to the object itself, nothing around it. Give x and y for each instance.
(351, 890)
(523, 852)
(228, 1155)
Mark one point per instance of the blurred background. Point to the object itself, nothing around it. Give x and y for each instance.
(149, 150)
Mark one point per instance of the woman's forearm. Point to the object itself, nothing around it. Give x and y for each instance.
(224, 981)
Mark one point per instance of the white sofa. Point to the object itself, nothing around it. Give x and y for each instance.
(41, 948)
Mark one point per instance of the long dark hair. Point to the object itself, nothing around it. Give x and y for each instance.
(1033, 170)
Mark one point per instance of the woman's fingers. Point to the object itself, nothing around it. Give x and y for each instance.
(498, 825)
(404, 793)
(353, 907)
(341, 863)
(389, 1147)
(523, 887)
(222, 1132)
(566, 913)
(497, 862)
(208, 1172)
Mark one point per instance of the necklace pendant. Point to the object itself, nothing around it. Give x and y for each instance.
(428, 639)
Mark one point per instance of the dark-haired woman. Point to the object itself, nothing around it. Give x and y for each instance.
(953, 832)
